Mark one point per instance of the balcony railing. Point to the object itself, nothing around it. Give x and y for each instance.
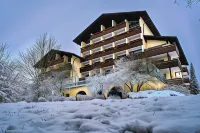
(108, 30)
(168, 64)
(55, 62)
(113, 50)
(175, 81)
(106, 63)
(112, 39)
(76, 84)
(161, 49)
(185, 69)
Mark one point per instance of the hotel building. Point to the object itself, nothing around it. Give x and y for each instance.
(115, 35)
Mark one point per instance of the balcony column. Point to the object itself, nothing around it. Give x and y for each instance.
(102, 48)
(101, 71)
(91, 52)
(102, 27)
(91, 62)
(83, 44)
(102, 59)
(102, 38)
(127, 40)
(114, 56)
(90, 73)
(91, 42)
(113, 34)
(127, 53)
(113, 23)
(114, 68)
(127, 25)
(114, 44)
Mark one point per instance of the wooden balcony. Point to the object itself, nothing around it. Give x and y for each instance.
(186, 80)
(177, 81)
(106, 63)
(61, 67)
(55, 62)
(112, 39)
(185, 69)
(112, 50)
(146, 54)
(162, 49)
(108, 30)
(168, 64)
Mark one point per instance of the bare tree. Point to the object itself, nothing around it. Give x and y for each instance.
(132, 71)
(129, 71)
(189, 3)
(29, 58)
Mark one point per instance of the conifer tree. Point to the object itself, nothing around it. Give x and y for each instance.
(193, 81)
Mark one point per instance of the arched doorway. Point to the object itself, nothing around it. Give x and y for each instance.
(80, 93)
(115, 91)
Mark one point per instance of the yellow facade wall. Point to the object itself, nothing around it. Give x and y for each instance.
(153, 43)
(147, 86)
(73, 91)
(145, 28)
(76, 65)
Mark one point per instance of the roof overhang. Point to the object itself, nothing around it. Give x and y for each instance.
(170, 39)
(51, 55)
(106, 19)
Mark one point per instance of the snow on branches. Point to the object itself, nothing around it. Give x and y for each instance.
(129, 71)
(11, 81)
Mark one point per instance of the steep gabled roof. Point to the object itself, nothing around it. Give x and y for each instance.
(171, 39)
(51, 55)
(106, 19)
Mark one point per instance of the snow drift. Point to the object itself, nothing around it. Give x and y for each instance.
(177, 114)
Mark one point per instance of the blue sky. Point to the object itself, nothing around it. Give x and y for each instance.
(22, 21)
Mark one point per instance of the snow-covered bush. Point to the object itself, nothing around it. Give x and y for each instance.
(83, 97)
(69, 98)
(177, 88)
(42, 99)
(99, 97)
(97, 84)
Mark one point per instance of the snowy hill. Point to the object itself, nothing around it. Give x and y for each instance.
(177, 114)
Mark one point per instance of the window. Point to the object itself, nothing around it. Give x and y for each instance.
(136, 51)
(133, 24)
(177, 75)
(107, 72)
(165, 76)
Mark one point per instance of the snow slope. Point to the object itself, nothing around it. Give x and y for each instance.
(179, 114)
(154, 93)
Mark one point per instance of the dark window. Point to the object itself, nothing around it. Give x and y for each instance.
(165, 76)
(133, 24)
(107, 72)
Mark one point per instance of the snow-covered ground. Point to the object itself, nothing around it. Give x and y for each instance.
(177, 114)
(154, 93)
